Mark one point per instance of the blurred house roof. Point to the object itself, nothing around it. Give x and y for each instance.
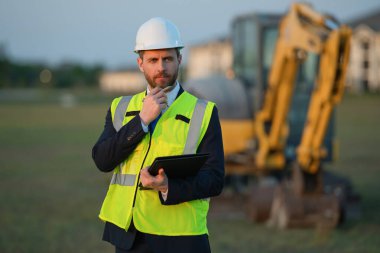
(220, 39)
(371, 19)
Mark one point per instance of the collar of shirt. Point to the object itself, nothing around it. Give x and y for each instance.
(171, 95)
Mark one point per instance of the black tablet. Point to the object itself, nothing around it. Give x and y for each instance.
(178, 165)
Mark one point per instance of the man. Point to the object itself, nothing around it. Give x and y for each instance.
(145, 213)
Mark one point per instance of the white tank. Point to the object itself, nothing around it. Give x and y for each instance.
(229, 95)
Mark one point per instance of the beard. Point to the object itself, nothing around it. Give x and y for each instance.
(170, 82)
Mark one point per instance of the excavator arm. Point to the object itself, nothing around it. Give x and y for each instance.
(327, 94)
(301, 31)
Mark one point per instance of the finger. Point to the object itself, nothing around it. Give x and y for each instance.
(144, 173)
(160, 94)
(146, 178)
(168, 88)
(163, 107)
(162, 100)
(161, 172)
(155, 90)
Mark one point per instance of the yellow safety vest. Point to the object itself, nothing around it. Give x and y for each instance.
(173, 135)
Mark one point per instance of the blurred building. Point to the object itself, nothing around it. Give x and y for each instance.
(363, 72)
(126, 82)
(210, 58)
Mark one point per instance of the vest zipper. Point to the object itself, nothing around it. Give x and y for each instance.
(138, 176)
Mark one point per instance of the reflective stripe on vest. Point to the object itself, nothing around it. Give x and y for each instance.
(195, 127)
(123, 179)
(120, 112)
(191, 142)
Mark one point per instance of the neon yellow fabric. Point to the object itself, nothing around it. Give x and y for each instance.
(169, 138)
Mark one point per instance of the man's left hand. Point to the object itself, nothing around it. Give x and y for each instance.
(158, 183)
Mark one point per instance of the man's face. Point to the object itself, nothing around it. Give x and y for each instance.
(160, 67)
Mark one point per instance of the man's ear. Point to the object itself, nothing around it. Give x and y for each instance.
(179, 59)
(140, 63)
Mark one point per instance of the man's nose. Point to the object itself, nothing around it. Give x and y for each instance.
(161, 65)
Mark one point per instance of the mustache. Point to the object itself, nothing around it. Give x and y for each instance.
(160, 75)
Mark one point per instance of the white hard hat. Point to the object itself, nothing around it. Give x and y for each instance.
(157, 33)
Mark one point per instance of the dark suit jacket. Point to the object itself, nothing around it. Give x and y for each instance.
(113, 147)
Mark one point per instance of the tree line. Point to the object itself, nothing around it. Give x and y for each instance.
(32, 75)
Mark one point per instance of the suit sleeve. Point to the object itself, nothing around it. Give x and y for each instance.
(113, 147)
(210, 179)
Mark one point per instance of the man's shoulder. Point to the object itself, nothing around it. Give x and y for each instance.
(197, 97)
(116, 100)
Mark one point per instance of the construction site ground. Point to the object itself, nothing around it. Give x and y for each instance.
(51, 190)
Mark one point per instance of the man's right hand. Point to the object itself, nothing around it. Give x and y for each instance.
(153, 104)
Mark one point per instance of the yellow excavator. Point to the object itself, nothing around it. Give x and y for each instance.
(277, 115)
(301, 200)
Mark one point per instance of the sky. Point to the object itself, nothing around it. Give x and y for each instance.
(103, 32)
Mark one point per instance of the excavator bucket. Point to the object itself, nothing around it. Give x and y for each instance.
(323, 201)
(259, 203)
(290, 210)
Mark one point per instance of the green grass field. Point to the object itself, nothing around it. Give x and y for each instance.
(50, 190)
